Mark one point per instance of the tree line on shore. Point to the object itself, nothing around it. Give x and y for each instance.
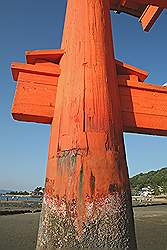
(38, 191)
(156, 180)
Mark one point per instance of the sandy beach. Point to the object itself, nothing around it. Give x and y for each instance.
(19, 232)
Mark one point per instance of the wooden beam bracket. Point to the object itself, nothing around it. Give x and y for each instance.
(36, 86)
(147, 11)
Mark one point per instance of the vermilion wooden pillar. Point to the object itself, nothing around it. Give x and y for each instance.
(87, 199)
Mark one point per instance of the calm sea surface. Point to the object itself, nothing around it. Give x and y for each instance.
(18, 198)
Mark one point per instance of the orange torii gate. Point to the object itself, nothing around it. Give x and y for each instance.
(89, 98)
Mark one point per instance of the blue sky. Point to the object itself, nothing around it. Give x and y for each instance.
(28, 25)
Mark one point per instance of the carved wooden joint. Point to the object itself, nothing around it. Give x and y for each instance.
(36, 86)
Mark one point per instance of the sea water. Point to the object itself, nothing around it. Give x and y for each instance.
(18, 198)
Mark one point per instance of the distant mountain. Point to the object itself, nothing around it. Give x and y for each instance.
(4, 191)
(152, 179)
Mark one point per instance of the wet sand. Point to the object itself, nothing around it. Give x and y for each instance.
(19, 232)
(151, 227)
(19, 206)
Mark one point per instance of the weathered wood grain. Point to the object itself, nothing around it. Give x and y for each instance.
(86, 166)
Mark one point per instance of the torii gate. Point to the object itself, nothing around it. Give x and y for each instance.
(89, 98)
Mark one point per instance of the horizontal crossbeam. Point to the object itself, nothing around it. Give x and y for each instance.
(37, 85)
(144, 107)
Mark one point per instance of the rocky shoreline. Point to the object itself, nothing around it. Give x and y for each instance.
(34, 206)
